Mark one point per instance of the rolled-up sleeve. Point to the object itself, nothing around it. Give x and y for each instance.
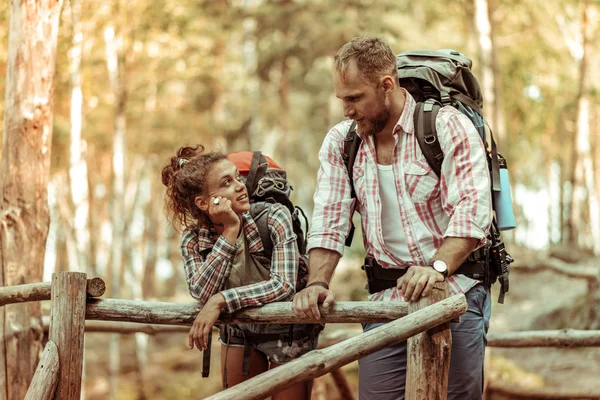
(332, 200)
(465, 180)
(207, 271)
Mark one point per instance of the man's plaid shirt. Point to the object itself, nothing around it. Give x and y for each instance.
(208, 257)
(458, 204)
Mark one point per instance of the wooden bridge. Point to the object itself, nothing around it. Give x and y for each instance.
(425, 324)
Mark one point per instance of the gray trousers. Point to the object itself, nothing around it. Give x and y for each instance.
(382, 375)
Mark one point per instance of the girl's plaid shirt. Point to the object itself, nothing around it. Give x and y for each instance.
(208, 257)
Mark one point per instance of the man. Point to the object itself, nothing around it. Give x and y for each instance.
(410, 218)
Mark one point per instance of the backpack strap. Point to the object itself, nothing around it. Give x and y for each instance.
(424, 117)
(258, 167)
(259, 212)
(495, 170)
(352, 142)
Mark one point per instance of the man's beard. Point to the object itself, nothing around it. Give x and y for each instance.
(376, 124)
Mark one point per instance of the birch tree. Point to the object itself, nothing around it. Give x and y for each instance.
(118, 188)
(578, 39)
(24, 212)
(490, 75)
(78, 173)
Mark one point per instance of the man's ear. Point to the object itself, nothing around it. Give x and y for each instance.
(201, 203)
(387, 83)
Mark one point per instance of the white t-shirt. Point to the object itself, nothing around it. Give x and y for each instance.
(393, 233)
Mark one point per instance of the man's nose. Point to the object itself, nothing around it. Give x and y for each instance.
(348, 111)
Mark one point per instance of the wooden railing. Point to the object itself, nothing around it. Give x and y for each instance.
(74, 309)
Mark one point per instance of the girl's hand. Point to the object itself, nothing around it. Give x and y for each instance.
(206, 318)
(220, 212)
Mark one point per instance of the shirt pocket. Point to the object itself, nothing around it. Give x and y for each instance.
(422, 184)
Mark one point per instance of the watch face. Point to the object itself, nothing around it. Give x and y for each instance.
(440, 266)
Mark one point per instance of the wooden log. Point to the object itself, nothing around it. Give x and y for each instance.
(341, 383)
(557, 338)
(45, 378)
(428, 353)
(517, 392)
(560, 267)
(273, 313)
(67, 321)
(570, 338)
(125, 328)
(319, 362)
(41, 291)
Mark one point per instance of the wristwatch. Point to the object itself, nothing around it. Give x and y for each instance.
(441, 267)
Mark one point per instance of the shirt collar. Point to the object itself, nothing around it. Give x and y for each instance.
(406, 121)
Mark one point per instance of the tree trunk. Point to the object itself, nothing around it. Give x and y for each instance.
(596, 167)
(154, 239)
(51, 251)
(253, 82)
(118, 191)
(135, 271)
(77, 165)
(489, 75)
(27, 138)
(174, 258)
(581, 162)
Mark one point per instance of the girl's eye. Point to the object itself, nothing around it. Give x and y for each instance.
(226, 182)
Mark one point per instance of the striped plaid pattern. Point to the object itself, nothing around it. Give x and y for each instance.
(208, 257)
(431, 209)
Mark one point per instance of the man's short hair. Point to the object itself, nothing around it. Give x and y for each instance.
(373, 57)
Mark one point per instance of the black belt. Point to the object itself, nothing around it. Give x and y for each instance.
(379, 278)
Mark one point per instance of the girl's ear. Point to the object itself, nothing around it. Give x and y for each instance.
(201, 203)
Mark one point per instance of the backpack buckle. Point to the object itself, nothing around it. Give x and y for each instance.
(430, 139)
(446, 99)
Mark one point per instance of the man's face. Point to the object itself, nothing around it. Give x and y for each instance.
(363, 101)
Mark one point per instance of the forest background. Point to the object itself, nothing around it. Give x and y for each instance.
(136, 80)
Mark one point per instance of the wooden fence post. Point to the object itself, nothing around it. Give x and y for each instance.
(45, 378)
(428, 358)
(67, 322)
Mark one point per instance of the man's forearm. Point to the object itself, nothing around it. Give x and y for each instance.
(454, 251)
(321, 264)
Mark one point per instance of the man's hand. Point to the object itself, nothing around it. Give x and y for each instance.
(206, 318)
(306, 302)
(418, 281)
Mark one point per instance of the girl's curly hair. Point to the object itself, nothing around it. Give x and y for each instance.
(185, 179)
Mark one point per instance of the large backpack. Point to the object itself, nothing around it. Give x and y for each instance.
(267, 184)
(437, 78)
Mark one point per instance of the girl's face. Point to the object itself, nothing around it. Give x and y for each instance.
(224, 180)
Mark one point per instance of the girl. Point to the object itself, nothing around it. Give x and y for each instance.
(227, 270)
